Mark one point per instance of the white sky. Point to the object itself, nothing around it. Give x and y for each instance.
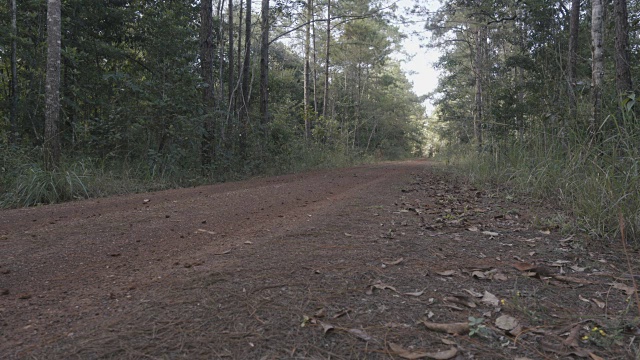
(425, 78)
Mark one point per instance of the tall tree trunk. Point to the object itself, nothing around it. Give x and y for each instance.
(231, 80)
(597, 71)
(307, 51)
(573, 58)
(220, 47)
(206, 63)
(314, 61)
(623, 73)
(52, 86)
(239, 81)
(231, 64)
(325, 97)
(246, 66)
(13, 115)
(481, 41)
(264, 64)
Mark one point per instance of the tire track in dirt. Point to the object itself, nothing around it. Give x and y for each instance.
(64, 265)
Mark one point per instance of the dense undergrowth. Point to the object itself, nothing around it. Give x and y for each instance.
(595, 178)
(24, 182)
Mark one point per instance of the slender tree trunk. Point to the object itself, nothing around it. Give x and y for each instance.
(325, 98)
(206, 63)
(520, 72)
(314, 61)
(13, 115)
(264, 64)
(307, 51)
(597, 71)
(220, 47)
(240, 19)
(573, 58)
(246, 66)
(479, 75)
(519, 116)
(231, 64)
(52, 86)
(623, 72)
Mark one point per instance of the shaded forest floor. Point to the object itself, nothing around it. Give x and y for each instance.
(394, 260)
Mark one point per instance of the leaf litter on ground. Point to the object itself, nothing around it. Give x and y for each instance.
(421, 354)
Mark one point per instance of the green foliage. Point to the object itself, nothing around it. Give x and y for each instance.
(133, 115)
(596, 181)
(477, 327)
(532, 137)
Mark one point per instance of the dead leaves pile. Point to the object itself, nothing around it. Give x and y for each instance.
(458, 213)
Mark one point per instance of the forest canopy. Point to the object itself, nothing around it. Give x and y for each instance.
(183, 91)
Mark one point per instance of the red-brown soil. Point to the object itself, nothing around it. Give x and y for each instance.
(334, 264)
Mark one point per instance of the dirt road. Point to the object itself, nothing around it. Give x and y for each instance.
(339, 263)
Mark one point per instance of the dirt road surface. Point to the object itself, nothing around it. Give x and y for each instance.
(332, 264)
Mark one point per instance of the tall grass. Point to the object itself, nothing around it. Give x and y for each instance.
(594, 177)
(24, 182)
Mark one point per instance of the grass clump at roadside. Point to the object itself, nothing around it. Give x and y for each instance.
(24, 181)
(595, 178)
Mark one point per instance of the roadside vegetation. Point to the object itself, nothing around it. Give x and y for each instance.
(518, 104)
(155, 95)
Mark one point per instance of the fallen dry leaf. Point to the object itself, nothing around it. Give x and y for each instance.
(206, 231)
(326, 327)
(451, 328)
(320, 313)
(572, 279)
(563, 350)
(420, 354)
(577, 268)
(478, 275)
(560, 262)
(379, 285)
(448, 342)
(499, 276)
(394, 262)
(567, 239)
(506, 322)
(627, 289)
(594, 356)
(523, 266)
(430, 314)
(397, 325)
(490, 299)
(461, 300)
(490, 233)
(572, 339)
(360, 334)
(341, 313)
(417, 293)
(473, 229)
(599, 303)
(473, 293)
(446, 272)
